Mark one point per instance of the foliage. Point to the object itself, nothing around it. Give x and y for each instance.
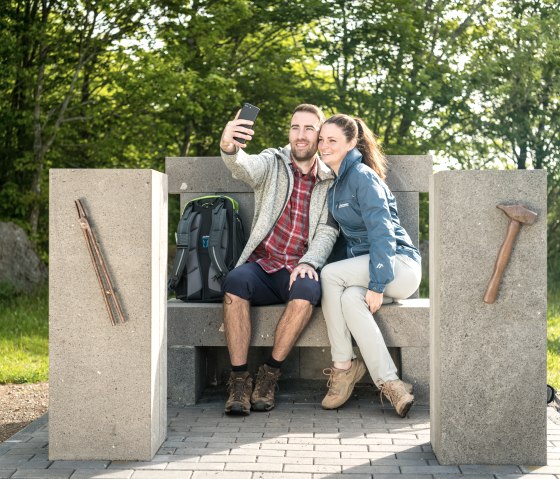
(24, 328)
(124, 84)
(553, 339)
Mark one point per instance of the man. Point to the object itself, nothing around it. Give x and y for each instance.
(291, 237)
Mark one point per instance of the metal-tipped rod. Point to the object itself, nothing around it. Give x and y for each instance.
(110, 297)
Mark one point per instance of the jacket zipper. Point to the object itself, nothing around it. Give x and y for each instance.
(339, 224)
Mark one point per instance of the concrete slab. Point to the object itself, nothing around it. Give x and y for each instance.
(195, 174)
(108, 384)
(488, 361)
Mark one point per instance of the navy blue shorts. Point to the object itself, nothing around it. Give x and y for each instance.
(249, 281)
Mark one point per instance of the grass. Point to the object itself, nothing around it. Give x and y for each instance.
(553, 340)
(24, 332)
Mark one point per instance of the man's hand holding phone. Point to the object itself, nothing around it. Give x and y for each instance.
(238, 131)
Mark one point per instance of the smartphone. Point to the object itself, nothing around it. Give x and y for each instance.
(248, 112)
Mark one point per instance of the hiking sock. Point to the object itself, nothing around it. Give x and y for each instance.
(273, 363)
(240, 369)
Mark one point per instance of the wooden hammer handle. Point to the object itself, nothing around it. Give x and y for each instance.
(501, 262)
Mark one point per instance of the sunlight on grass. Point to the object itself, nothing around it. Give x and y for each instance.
(553, 338)
(24, 329)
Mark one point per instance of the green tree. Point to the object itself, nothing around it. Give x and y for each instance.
(512, 113)
(54, 55)
(394, 64)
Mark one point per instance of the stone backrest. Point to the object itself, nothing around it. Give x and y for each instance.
(197, 176)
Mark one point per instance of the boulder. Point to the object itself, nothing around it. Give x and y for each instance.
(20, 266)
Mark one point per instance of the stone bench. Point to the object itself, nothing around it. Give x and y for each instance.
(197, 352)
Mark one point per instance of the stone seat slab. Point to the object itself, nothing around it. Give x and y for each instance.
(403, 324)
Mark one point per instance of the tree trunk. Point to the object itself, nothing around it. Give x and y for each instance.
(522, 157)
(38, 147)
(186, 143)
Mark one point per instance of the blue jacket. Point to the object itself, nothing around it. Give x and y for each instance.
(366, 211)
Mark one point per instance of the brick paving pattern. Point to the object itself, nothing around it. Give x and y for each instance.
(297, 440)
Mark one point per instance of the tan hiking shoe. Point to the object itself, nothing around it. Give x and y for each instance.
(397, 392)
(341, 383)
(240, 385)
(262, 398)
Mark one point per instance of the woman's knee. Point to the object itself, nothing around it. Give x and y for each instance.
(353, 296)
(408, 274)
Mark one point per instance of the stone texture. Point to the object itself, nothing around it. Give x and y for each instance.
(185, 374)
(108, 383)
(415, 363)
(195, 174)
(408, 206)
(201, 324)
(488, 361)
(20, 267)
(409, 172)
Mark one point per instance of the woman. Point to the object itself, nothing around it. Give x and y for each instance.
(382, 263)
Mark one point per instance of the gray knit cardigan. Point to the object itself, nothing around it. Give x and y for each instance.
(270, 176)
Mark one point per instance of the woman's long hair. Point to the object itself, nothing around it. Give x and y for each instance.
(356, 129)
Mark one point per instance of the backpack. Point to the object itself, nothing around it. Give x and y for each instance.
(210, 238)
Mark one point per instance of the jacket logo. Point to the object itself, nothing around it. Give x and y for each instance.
(379, 266)
(343, 205)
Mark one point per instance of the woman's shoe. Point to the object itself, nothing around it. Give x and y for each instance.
(341, 383)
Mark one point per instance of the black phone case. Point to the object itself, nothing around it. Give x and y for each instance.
(248, 112)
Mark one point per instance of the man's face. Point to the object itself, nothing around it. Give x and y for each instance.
(304, 134)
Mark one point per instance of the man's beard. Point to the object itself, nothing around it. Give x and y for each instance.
(305, 155)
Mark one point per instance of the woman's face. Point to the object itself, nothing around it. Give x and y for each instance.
(333, 145)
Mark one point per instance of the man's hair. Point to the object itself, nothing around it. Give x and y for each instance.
(311, 109)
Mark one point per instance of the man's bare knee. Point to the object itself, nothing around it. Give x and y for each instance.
(300, 304)
(230, 298)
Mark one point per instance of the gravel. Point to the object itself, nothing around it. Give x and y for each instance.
(21, 404)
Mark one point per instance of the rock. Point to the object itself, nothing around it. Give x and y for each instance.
(20, 266)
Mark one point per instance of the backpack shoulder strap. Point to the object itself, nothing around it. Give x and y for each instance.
(215, 240)
(183, 244)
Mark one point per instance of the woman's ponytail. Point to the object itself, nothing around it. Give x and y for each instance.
(371, 152)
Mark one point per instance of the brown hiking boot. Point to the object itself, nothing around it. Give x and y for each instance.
(341, 383)
(240, 385)
(397, 392)
(262, 398)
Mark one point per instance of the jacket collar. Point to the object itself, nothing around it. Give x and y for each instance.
(351, 158)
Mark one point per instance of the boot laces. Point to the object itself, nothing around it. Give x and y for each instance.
(331, 382)
(391, 393)
(266, 381)
(237, 385)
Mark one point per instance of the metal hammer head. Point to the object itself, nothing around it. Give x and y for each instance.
(519, 213)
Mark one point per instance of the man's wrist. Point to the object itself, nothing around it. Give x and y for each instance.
(303, 263)
(229, 149)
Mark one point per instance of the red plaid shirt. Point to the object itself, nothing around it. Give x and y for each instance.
(287, 242)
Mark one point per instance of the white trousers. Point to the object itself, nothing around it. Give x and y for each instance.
(344, 286)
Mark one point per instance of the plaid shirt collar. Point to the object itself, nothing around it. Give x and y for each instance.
(311, 176)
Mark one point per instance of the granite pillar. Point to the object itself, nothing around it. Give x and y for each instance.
(107, 384)
(487, 361)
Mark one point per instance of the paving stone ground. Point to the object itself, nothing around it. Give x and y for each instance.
(296, 440)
